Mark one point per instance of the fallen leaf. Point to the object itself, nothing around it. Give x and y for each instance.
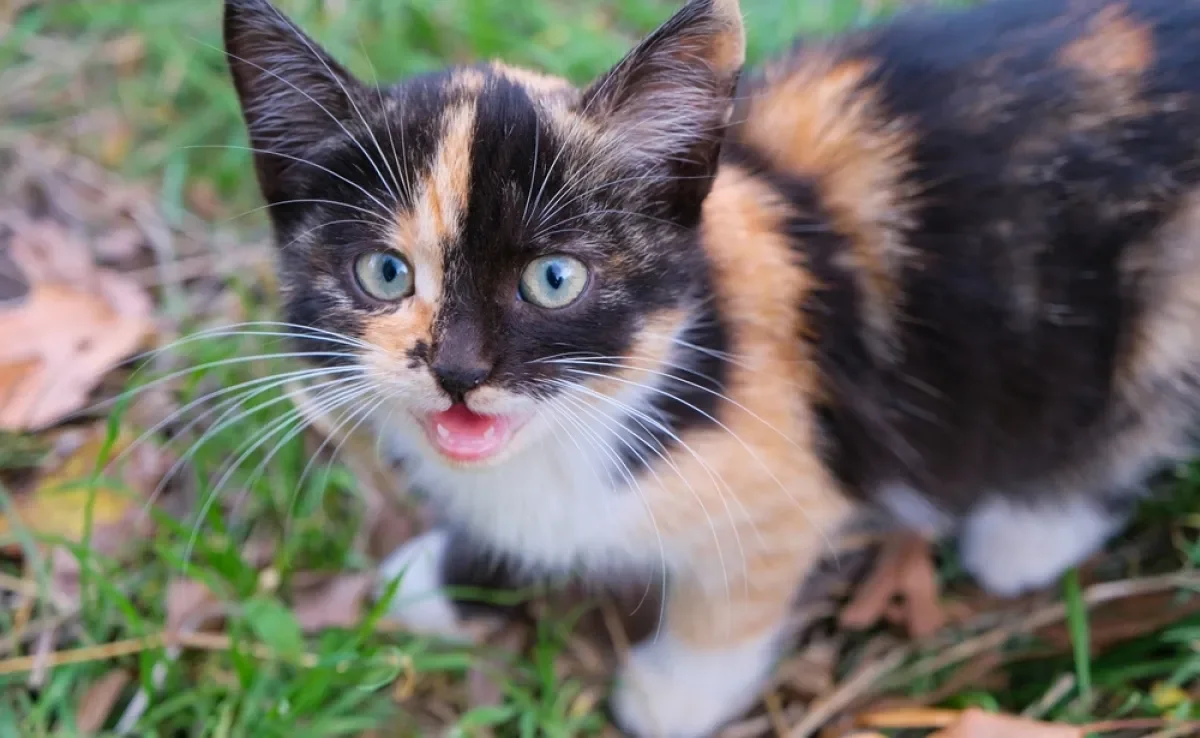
(975, 723)
(485, 678)
(904, 568)
(1167, 697)
(335, 602)
(99, 700)
(75, 324)
(120, 246)
(57, 504)
(190, 604)
(1121, 620)
(204, 199)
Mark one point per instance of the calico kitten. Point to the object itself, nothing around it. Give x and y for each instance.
(677, 325)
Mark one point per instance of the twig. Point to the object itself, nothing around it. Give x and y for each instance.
(1095, 595)
(821, 711)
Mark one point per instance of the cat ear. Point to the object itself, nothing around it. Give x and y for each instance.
(671, 96)
(293, 94)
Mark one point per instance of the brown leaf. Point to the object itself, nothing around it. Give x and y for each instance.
(332, 602)
(484, 680)
(57, 504)
(975, 723)
(98, 701)
(76, 323)
(1121, 620)
(190, 603)
(73, 326)
(904, 569)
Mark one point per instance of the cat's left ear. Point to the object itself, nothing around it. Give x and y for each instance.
(672, 95)
(294, 96)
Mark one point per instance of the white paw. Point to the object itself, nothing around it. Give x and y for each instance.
(420, 602)
(669, 690)
(1012, 549)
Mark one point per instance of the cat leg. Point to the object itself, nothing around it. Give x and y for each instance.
(1012, 547)
(708, 663)
(429, 567)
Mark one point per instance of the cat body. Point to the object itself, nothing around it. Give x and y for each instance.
(687, 321)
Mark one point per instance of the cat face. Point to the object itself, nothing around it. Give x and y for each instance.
(491, 246)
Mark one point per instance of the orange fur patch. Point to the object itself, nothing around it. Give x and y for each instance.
(534, 82)
(750, 498)
(434, 219)
(817, 117)
(1114, 45)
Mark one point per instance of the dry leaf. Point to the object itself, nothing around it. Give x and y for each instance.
(332, 602)
(119, 246)
(903, 569)
(190, 604)
(976, 723)
(99, 700)
(76, 323)
(57, 505)
(1121, 620)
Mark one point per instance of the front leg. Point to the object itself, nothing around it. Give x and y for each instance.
(717, 649)
(430, 568)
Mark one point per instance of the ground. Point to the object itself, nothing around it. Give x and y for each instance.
(215, 618)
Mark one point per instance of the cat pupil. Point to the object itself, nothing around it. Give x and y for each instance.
(554, 276)
(389, 270)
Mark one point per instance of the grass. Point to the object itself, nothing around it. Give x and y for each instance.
(135, 86)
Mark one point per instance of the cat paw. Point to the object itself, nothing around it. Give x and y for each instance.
(669, 690)
(420, 602)
(1011, 549)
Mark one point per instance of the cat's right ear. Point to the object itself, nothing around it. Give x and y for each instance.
(293, 95)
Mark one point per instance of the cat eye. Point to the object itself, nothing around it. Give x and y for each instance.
(553, 281)
(384, 275)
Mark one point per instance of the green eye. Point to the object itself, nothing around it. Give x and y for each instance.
(384, 275)
(553, 281)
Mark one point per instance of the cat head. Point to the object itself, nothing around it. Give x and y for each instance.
(491, 246)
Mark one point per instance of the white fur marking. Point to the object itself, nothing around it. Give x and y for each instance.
(670, 689)
(914, 510)
(420, 602)
(1012, 549)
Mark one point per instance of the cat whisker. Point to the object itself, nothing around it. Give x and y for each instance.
(341, 396)
(365, 412)
(652, 445)
(551, 210)
(627, 213)
(309, 201)
(638, 416)
(401, 166)
(537, 139)
(208, 365)
(747, 447)
(272, 381)
(634, 484)
(336, 120)
(267, 152)
(223, 422)
(719, 395)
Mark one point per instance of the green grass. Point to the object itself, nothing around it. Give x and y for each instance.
(148, 84)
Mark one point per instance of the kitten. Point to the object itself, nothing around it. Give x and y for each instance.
(685, 326)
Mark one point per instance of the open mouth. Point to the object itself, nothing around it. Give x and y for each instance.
(463, 435)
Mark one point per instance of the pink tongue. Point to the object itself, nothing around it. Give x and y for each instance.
(459, 420)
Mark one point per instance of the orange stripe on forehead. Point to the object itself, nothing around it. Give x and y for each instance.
(433, 222)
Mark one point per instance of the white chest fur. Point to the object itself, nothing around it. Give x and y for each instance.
(556, 505)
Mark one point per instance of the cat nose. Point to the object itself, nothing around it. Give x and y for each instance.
(459, 379)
